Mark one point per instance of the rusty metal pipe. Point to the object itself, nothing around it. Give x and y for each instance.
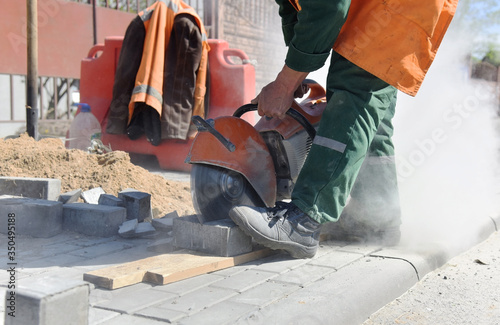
(32, 69)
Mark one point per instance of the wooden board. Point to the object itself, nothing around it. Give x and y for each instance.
(167, 268)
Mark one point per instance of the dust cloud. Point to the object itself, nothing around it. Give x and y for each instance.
(447, 152)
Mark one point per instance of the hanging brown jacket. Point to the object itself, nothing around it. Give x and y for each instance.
(144, 77)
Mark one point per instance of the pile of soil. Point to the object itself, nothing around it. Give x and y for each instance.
(113, 172)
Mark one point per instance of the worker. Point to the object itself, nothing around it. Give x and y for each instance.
(379, 47)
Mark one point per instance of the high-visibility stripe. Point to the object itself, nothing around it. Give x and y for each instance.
(148, 90)
(329, 143)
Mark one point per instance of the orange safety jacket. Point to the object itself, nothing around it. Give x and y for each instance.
(158, 20)
(395, 40)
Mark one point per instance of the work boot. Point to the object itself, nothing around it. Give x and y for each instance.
(283, 227)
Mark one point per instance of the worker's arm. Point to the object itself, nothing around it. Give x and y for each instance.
(309, 35)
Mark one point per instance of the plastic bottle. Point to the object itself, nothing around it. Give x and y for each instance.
(84, 128)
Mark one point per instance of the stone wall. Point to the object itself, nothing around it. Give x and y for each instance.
(254, 27)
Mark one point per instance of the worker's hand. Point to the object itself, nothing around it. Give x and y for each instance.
(276, 98)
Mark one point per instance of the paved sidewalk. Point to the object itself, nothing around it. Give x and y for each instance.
(343, 284)
(463, 291)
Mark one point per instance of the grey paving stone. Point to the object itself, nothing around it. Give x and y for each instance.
(336, 259)
(100, 249)
(127, 229)
(304, 275)
(265, 293)
(166, 222)
(37, 188)
(111, 200)
(131, 320)
(197, 300)
(137, 203)
(161, 314)
(50, 301)
(220, 237)
(99, 316)
(92, 196)
(144, 229)
(244, 280)
(131, 301)
(93, 219)
(162, 245)
(230, 271)
(57, 260)
(280, 263)
(32, 252)
(71, 196)
(32, 217)
(189, 285)
(222, 313)
(347, 296)
(360, 248)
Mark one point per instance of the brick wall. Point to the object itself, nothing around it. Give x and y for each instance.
(254, 27)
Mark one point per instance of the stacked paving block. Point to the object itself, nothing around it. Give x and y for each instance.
(50, 301)
(33, 217)
(40, 209)
(219, 237)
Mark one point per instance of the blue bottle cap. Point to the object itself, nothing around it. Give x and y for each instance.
(83, 107)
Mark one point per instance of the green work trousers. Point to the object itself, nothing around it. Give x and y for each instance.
(355, 130)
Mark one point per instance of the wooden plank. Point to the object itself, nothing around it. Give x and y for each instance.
(166, 268)
(192, 265)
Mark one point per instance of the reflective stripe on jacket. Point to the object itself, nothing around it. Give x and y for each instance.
(158, 20)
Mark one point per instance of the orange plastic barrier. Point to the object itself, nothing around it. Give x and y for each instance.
(231, 85)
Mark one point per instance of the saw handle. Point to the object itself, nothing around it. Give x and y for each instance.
(204, 126)
(291, 112)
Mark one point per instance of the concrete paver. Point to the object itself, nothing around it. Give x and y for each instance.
(343, 284)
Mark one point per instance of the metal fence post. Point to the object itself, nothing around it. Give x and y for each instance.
(32, 69)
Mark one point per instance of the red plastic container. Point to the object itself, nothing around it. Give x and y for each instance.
(231, 85)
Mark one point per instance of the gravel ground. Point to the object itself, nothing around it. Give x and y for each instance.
(466, 290)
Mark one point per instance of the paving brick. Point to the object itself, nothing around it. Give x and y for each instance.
(93, 219)
(220, 237)
(197, 300)
(37, 188)
(71, 196)
(100, 316)
(132, 320)
(144, 229)
(348, 296)
(226, 312)
(245, 280)
(33, 217)
(336, 259)
(137, 203)
(50, 301)
(162, 245)
(189, 285)
(280, 263)
(111, 200)
(165, 223)
(304, 275)
(92, 196)
(101, 249)
(127, 229)
(264, 294)
(133, 300)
